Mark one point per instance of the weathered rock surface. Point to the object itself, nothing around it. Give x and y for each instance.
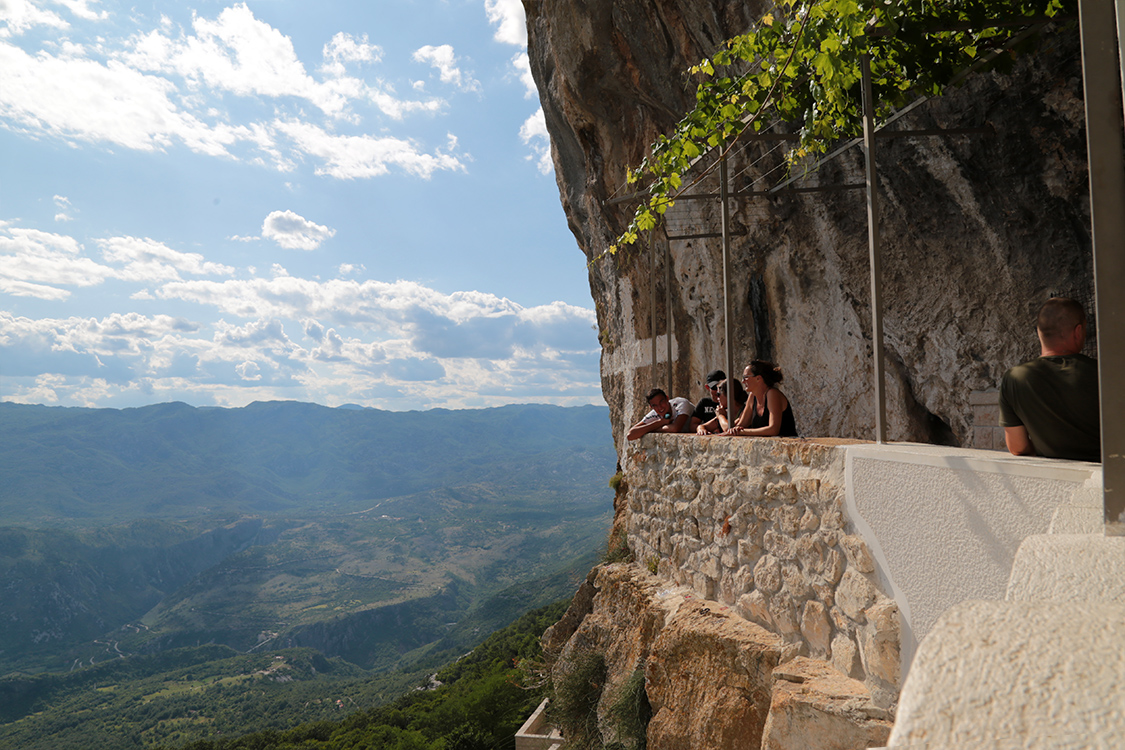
(977, 229)
(712, 678)
(815, 706)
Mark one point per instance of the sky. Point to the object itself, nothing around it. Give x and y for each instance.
(339, 202)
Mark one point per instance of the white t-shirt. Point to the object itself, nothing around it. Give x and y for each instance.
(679, 406)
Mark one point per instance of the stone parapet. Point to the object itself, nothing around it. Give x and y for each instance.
(760, 525)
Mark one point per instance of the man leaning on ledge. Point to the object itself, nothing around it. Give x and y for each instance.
(667, 415)
(1049, 406)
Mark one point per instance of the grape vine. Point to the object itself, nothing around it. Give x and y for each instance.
(801, 65)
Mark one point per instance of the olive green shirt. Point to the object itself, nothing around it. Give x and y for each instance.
(1056, 399)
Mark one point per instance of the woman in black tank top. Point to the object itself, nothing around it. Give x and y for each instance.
(768, 413)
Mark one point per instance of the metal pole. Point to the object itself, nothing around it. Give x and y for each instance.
(652, 305)
(728, 314)
(1101, 79)
(668, 310)
(875, 253)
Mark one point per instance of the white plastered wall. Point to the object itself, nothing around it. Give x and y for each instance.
(944, 524)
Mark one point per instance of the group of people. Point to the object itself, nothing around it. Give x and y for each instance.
(762, 409)
(1048, 407)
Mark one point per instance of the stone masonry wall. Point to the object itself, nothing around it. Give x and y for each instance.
(760, 525)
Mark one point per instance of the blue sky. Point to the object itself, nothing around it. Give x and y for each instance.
(338, 202)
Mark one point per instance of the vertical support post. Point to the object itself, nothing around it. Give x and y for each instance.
(668, 312)
(875, 253)
(728, 315)
(652, 305)
(1101, 80)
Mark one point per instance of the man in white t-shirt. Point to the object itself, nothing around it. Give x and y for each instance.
(667, 415)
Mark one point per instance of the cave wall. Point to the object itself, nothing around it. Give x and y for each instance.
(978, 229)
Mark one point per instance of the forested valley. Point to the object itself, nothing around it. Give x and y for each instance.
(177, 575)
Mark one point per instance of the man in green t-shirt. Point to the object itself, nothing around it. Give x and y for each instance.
(1049, 406)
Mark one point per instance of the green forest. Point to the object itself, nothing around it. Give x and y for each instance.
(211, 698)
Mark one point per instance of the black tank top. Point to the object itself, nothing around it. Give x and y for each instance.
(788, 423)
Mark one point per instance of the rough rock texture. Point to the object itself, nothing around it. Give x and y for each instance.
(712, 678)
(815, 706)
(978, 229)
(759, 525)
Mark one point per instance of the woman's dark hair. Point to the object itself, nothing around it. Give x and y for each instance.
(740, 396)
(770, 372)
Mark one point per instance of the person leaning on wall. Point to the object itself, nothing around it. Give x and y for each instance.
(768, 413)
(667, 415)
(721, 423)
(1049, 406)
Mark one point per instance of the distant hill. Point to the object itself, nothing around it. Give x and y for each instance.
(65, 466)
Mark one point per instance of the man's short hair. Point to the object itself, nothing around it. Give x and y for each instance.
(654, 393)
(1058, 317)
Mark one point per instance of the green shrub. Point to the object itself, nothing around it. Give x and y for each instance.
(631, 711)
(574, 701)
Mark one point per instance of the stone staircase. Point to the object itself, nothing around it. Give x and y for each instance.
(1045, 667)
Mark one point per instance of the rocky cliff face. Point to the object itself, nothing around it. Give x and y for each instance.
(978, 229)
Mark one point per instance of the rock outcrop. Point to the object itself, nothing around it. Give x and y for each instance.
(712, 679)
(978, 229)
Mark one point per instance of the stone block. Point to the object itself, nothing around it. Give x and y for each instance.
(748, 552)
(755, 608)
(816, 629)
(729, 590)
(767, 574)
(880, 650)
(834, 565)
(824, 593)
(779, 545)
(781, 492)
(855, 549)
(795, 582)
(810, 554)
(855, 594)
(845, 656)
(809, 521)
(832, 519)
(784, 614)
(788, 520)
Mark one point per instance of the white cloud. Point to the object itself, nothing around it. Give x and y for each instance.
(81, 8)
(238, 53)
(510, 21)
(354, 156)
(445, 61)
(294, 232)
(344, 48)
(399, 345)
(17, 16)
(82, 99)
(34, 263)
(165, 88)
(249, 371)
(522, 65)
(534, 134)
(149, 260)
